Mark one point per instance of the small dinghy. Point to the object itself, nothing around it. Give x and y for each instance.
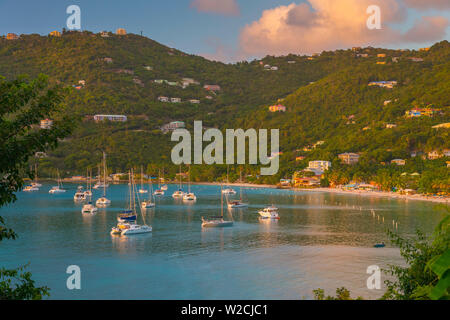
(379, 245)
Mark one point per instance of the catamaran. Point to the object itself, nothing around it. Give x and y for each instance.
(58, 188)
(159, 191)
(80, 195)
(103, 201)
(142, 190)
(217, 222)
(189, 196)
(269, 213)
(228, 190)
(130, 228)
(89, 208)
(179, 193)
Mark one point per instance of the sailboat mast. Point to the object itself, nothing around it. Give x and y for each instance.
(221, 201)
(104, 174)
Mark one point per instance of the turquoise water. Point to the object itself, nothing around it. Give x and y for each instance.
(322, 240)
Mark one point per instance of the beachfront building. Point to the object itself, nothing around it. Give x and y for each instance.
(277, 108)
(306, 182)
(46, 124)
(349, 158)
(399, 162)
(121, 32)
(384, 84)
(318, 166)
(110, 117)
(12, 36)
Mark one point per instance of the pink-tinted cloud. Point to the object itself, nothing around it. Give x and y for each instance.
(329, 24)
(427, 29)
(428, 4)
(224, 7)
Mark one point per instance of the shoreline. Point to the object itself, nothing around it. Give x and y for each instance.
(392, 195)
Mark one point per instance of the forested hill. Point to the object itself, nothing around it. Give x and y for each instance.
(320, 93)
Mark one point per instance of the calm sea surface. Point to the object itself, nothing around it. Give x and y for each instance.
(322, 240)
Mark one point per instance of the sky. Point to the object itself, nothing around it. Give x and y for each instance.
(236, 30)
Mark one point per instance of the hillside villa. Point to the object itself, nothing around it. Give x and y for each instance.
(12, 36)
(277, 108)
(384, 84)
(349, 158)
(110, 117)
(399, 162)
(173, 126)
(211, 87)
(121, 32)
(46, 124)
(419, 112)
(318, 167)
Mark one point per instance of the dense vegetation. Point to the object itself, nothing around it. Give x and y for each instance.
(320, 93)
(23, 103)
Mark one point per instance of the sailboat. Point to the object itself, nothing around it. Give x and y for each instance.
(237, 203)
(35, 183)
(164, 186)
(58, 188)
(129, 214)
(217, 222)
(190, 196)
(88, 192)
(228, 190)
(89, 207)
(159, 191)
(130, 228)
(179, 193)
(103, 201)
(142, 190)
(80, 195)
(146, 204)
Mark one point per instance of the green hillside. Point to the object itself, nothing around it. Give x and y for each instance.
(321, 94)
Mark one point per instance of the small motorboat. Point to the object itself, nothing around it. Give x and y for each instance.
(158, 192)
(379, 245)
(228, 191)
(164, 187)
(269, 213)
(136, 229)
